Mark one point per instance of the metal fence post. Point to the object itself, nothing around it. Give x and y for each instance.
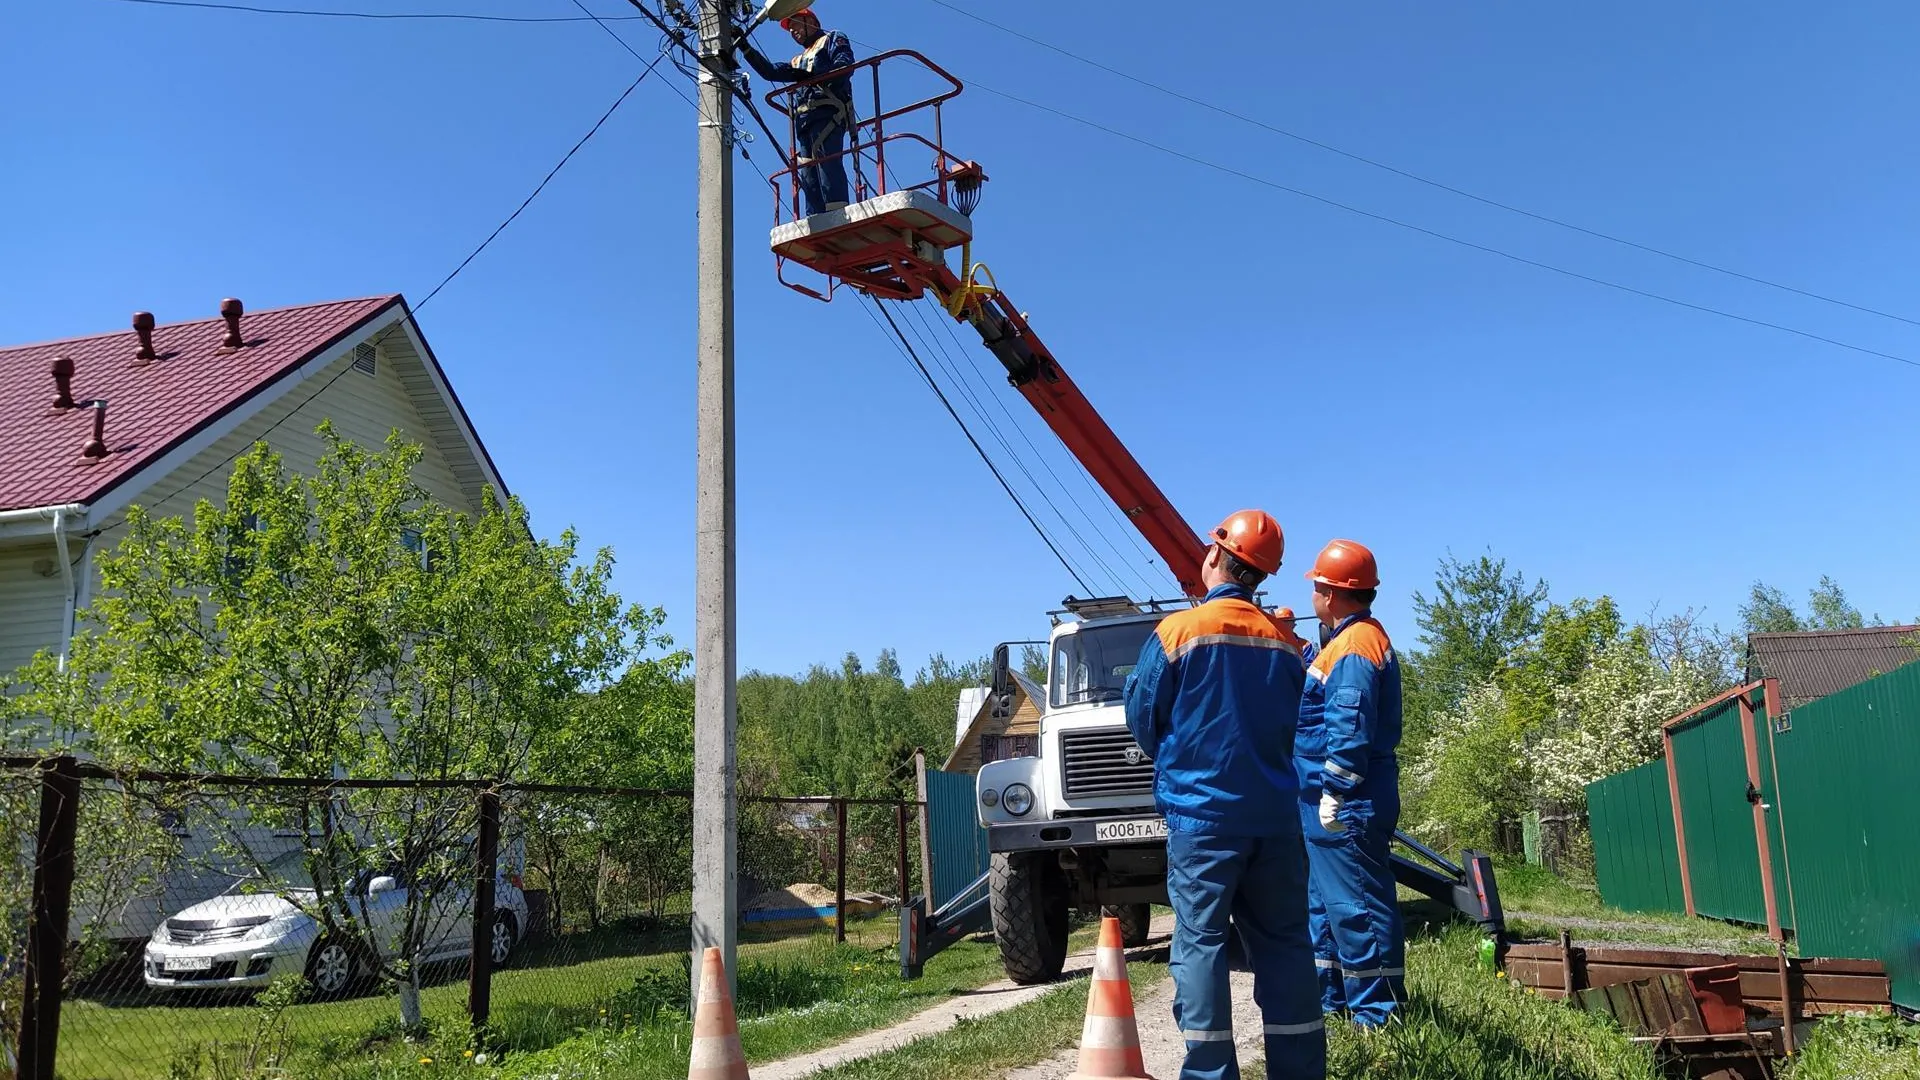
(487, 860)
(840, 873)
(900, 825)
(53, 869)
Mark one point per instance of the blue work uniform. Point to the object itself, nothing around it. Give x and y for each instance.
(1349, 730)
(1214, 699)
(822, 113)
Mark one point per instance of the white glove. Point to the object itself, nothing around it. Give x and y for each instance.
(1329, 805)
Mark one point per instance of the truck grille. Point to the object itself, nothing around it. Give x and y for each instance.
(1096, 764)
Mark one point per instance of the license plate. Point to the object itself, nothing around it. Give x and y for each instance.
(1137, 829)
(189, 963)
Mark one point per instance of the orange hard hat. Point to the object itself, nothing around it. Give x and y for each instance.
(1253, 537)
(1344, 564)
(787, 23)
(1284, 614)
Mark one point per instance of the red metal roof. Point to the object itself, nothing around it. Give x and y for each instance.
(150, 409)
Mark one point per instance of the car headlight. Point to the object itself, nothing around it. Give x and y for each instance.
(1018, 799)
(989, 798)
(277, 927)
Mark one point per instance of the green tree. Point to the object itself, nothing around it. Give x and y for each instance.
(341, 624)
(1479, 613)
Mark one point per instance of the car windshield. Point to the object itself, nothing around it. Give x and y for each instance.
(1093, 664)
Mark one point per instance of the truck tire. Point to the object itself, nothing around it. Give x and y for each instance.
(1136, 921)
(1029, 901)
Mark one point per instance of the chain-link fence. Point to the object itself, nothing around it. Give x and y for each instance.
(243, 926)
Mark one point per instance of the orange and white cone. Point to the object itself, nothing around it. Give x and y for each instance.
(1110, 1041)
(716, 1031)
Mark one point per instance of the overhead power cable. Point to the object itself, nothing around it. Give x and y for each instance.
(311, 13)
(957, 371)
(415, 309)
(1408, 174)
(1127, 582)
(1438, 235)
(906, 349)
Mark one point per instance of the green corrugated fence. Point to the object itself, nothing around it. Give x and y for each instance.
(1839, 786)
(1850, 803)
(1636, 861)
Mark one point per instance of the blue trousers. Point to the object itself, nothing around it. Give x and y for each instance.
(821, 132)
(1259, 886)
(1359, 942)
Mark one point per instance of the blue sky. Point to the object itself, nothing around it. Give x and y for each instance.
(1251, 346)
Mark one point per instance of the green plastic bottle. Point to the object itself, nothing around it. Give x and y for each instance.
(1486, 951)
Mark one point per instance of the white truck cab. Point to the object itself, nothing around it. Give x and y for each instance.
(1075, 826)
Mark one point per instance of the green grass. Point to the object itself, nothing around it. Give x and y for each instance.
(608, 986)
(1858, 1048)
(1555, 902)
(1464, 1023)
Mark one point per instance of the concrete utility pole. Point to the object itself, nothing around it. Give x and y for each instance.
(716, 905)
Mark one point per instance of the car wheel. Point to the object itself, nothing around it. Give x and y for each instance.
(500, 942)
(331, 969)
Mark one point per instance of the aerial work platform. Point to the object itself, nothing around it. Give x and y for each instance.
(876, 244)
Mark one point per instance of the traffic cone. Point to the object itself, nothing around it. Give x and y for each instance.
(1110, 1041)
(716, 1031)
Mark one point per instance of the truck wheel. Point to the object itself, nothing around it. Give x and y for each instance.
(1136, 921)
(1029, 900)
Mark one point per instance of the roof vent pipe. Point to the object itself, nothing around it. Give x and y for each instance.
(63, 383)
(231, 311)
(143, 326)
(97, 446)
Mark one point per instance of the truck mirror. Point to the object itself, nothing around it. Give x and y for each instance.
(1002, 675)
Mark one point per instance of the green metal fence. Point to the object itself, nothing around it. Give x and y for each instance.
(1636, 861)
(1837, 786)
(1850, 796)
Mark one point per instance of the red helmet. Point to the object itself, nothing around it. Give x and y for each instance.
(1344, 564)
(787, 23)
(1253, 537)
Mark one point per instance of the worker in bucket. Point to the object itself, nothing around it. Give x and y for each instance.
(1350, 791)
(822, 112)
(1213, 700)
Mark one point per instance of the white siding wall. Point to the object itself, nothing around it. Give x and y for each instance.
(33, 610)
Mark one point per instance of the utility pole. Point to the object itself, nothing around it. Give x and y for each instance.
(716, 905)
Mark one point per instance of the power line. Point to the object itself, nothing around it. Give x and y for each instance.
(999, 399)
(1448, 237)
(1427, 180)
(410, 314)
(447, 16)
(907, 350)
(1079, 469)
(953, 368)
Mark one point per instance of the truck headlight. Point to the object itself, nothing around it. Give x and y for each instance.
(1018, 799)
(989, 798)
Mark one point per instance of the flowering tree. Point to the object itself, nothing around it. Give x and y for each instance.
(1609, 719)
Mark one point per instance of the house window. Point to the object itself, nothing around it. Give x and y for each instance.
(364, 359)
(414, 542)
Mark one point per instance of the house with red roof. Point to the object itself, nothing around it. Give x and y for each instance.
(156, 414)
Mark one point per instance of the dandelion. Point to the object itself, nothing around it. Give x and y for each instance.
(1502, 975)
(468, 1053)
(426, 1061)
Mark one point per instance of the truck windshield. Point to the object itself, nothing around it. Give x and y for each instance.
(1093, 664)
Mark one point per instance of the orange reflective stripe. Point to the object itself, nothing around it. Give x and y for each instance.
(1226, 618)
(1365, 638)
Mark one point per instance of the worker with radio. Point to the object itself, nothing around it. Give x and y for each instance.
(1349, 784)
(1213, 700)
(822, 111)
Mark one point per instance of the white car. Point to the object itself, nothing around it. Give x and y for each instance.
(246, 940)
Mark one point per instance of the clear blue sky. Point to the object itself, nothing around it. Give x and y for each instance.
(1252, 347)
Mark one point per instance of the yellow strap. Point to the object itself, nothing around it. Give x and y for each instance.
(969, 289)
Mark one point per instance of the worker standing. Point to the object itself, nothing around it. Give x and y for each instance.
(822, 111)
(1350, 791)
(1213, 699)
